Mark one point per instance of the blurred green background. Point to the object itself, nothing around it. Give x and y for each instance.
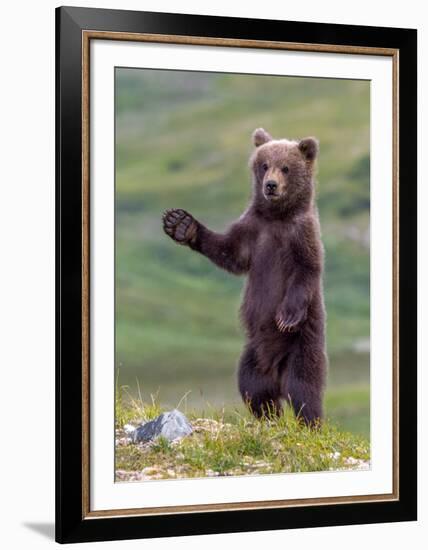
(183, 140)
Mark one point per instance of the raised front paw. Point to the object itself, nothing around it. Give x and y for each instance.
(290, 320)
(179, 225)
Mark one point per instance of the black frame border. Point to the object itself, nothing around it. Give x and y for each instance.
(71, 526)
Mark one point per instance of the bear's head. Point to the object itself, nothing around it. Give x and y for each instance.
(283, 172)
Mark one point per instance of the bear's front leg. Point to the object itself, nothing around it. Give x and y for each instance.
(292, 311)
(180, 226)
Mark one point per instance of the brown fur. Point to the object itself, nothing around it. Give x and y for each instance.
(277, 243)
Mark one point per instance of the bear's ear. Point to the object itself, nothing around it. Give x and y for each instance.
(260, 136)
(309, 148)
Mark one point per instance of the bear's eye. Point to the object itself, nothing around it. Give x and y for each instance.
(285, 169)
(265, 166)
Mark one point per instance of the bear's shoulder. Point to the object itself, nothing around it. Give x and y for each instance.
(306, 239)
(306, 223)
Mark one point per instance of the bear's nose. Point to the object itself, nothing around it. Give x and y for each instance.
(271, 185)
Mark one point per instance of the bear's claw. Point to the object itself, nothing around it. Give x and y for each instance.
(290, 323)
(179, 225)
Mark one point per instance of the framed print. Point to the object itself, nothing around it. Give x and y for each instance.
(236, 274)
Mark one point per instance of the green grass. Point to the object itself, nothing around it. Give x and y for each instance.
(183, 140)
(233, 443)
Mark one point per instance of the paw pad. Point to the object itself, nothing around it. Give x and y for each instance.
(179, 225)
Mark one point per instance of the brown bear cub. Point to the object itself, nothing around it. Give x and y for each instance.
(277, 243)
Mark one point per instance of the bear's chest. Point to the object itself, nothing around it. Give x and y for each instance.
(272, 257)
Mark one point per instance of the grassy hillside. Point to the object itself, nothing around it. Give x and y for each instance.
(232, 443)
(183, 140)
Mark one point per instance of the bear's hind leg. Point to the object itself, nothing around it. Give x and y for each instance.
(305, 379)
(259, 391)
